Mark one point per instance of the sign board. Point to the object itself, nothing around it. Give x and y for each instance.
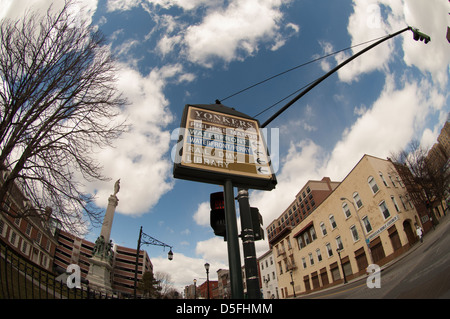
(218, 143)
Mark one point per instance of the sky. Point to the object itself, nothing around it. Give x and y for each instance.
(176, 52)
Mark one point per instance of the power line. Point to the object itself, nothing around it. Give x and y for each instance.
(296, 67)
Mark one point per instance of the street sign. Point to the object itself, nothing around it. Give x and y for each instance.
(218, 143)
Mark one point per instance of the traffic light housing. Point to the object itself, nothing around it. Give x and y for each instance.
(217, 214)
(419, 36)
(257, 222)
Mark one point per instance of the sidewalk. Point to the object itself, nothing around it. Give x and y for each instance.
(428, 240)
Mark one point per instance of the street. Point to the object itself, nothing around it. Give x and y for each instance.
(422, 272)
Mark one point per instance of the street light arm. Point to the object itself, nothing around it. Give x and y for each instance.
(319, 80)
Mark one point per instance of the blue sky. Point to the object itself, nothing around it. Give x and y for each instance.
(174, 52)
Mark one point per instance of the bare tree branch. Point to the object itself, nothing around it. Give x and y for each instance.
(58, 102)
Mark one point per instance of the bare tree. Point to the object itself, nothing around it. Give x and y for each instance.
(58, 102)
(426, 178)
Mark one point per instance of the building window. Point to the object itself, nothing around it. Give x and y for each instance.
(319, 255)
(312, 232)
(28, 230)
(395, 204)
(392, 181)
(382, 178)
(304, 262)
(306, 238)
(346, 210)
(354, 232)
(373, 185)
(311, 259)
(357, 200)
(367, 224)
(2, 227)
(300, 242)
(329, 250)
(339, 243)
(403, 202)
(384, 210)
(332, 222)
(323, 228)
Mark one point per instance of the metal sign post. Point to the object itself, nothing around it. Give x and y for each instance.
(234, 257)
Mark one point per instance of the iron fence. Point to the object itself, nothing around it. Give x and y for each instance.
(22, 279)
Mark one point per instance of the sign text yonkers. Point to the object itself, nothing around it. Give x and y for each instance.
(217, 143)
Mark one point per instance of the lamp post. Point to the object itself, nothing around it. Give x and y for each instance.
(343, 271)
(207, 277)
(145, 239)
(292, 283)
(362, 229)
(195, 288)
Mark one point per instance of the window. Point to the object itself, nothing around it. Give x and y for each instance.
(306, 238)
(311, 259)
(382, 178)
(384, 210)
(395, 204)
(312, 232)
(354, 232)
(403, 202)
(367, 224)
(357, 200)
(346, 210)
(392, 181)
(323, 228)
(2, 227)
(332, 222)
(319, 255)
(300, 242)
(339, 243)
(304, 262)
(373, 185)
(329, 250)
(28, 230)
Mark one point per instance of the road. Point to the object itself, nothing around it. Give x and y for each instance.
(422, 272)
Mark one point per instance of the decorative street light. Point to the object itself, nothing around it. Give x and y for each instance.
(292, 283)
(342, 266)
(207, 277)
(195, 288)
(145, 239)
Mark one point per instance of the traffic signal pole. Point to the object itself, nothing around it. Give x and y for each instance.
(248, 246)
(319, 80)
(234, 257)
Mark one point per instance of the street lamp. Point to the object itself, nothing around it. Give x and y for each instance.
(207, 277)
(342, 266)
(195, 288)
(292, 283)
(170, 254)
(362, 229)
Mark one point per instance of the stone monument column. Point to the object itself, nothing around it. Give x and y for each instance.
(100, 269)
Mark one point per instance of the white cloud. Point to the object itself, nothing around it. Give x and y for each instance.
(183, 270)
(234, 32)
(372, 19)
(201, 216)
(138, 157)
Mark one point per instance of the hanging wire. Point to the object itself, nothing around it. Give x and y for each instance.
(294, 68)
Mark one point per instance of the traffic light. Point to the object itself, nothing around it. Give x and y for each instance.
(257, 222)
(419, 36)
(217, 215)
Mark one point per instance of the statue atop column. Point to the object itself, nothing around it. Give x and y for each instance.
(116, 187)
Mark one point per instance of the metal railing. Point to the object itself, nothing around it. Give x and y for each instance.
(22, 279)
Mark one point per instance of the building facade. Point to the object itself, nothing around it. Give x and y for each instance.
(305, 202)
(74, 250)
(33, 236)
(371, 205)
(268, 275)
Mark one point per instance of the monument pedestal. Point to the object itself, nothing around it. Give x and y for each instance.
(100, 269)
(100, 275)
